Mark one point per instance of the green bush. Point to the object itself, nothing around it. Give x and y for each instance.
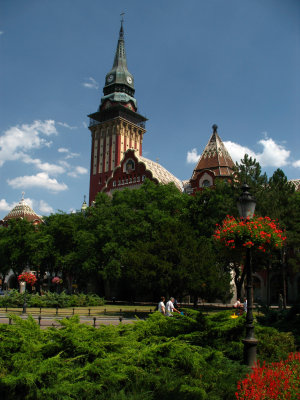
(273, 345)
(80, 362)
(13, 299)
(50, 299)
(188, 357)
(283, 320)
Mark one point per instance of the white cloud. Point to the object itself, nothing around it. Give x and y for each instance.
(18, 140)
(296, 164)
(78, 171)
(46, 167)
(81, 170)
(237, 151)
(5, 206)
(65, 125)
(91, 83)
(273, 154)
(41, 180)
(192, 156)
(45, 208)
(84, 124)
(63, 150)
(1, 32)
(69, 154)
(50, 168)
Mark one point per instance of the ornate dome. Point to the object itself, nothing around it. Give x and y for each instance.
(24, 211)
(159, 172)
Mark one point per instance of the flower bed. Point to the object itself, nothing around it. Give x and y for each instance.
(279, 380)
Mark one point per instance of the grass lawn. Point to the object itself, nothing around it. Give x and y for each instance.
(85, 311)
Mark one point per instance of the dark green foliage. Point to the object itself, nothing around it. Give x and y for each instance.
(180, 358)
(283, 320)
(274, 345)
(49, 299)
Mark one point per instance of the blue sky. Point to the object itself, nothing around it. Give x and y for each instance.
(235, 63)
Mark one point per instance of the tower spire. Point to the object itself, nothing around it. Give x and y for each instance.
(121, 34)
(120, 56)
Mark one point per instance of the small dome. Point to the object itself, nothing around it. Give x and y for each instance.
(24, 211)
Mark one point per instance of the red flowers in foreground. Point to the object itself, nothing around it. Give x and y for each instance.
(279, 380)
(260, 232)
(27, 277)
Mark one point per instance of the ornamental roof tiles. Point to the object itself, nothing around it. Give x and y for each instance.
(215, 157)
(159, 172)
(296, 183)
(24, 211)
(143, 168)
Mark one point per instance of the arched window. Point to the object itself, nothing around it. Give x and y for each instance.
(205, 183)
(130, 166)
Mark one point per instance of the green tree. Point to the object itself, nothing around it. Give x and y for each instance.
(210, 206)
(249, 171)
(15, 242)
(146, 241)
(64, 230)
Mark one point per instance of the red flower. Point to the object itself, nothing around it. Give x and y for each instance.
(261, 233)
(27, 277)
(279, 380)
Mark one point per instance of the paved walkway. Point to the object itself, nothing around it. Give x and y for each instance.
(48, 321)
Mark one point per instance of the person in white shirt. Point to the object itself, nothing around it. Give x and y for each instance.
(161, 306)
(170, 307)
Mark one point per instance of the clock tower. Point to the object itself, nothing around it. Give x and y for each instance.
(116, 126)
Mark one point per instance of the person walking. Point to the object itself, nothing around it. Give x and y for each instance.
(161, 306)
(170, 307)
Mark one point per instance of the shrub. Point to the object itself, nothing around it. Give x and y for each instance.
(12, 299)
(50, 299)
(181, 358)
(283, 320)
(273, 345)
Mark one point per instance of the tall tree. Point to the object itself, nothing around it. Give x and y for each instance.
(15, 242)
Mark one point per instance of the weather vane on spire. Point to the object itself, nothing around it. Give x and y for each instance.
(122, 17)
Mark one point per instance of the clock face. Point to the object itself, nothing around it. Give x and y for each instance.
(110, 78)
(129, 79)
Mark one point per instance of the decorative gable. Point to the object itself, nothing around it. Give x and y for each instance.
(134, 169)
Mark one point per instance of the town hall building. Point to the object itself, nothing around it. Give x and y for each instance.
(117, 162)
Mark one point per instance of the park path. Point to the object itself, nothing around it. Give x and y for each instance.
(49, 321)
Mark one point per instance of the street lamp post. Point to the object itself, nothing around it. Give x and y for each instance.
(246, 206)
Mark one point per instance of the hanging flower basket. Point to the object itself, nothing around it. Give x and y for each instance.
(261, 233)
(57, 281)
(27, 277)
